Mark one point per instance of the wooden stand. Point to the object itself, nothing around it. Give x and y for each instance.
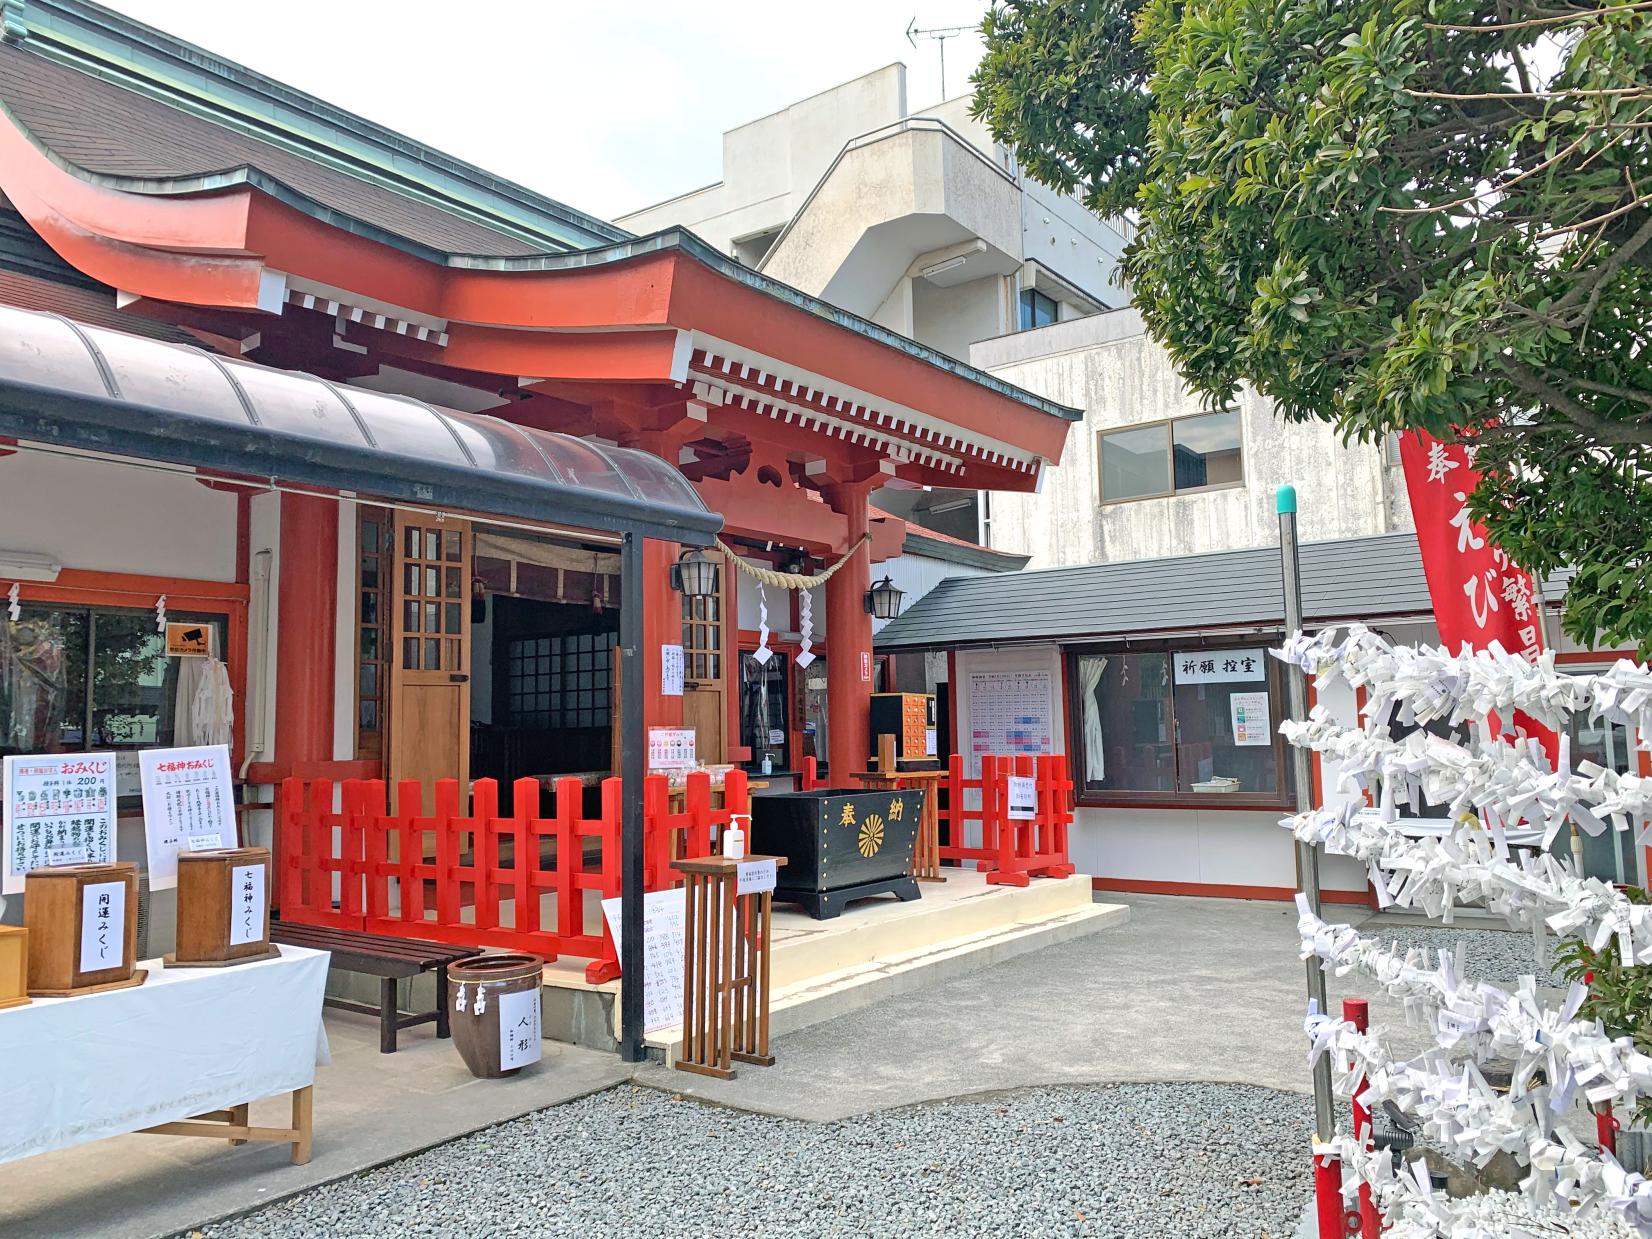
(725, 968)
(54, 907)
(926, 848)
(14, 966)
(223, 895)
(233, 1125)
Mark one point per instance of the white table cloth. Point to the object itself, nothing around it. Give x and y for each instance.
(185, 1042)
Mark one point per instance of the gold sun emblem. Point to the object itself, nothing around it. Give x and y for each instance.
(871, 835)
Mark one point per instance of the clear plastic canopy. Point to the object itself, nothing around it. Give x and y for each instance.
(311, 426)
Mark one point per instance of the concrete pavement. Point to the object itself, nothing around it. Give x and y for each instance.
(1186, 990)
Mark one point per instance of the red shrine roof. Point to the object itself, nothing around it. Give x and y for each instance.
(215, 198)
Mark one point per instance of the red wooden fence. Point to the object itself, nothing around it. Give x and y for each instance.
(480, 879)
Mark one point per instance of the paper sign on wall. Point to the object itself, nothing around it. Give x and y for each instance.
(187, 803)
(1010, 712)
(1219, 666)
(663, 946)
(753, 877)
(671, 671)
(59, 809)
(1249, 714)
(102, 926)
(246, 904)
(519, 1040)
(672, 748)
(1023, 799)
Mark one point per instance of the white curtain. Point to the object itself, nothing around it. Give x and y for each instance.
(1090, 670)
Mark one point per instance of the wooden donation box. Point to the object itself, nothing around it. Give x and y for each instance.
(841, 844)
(223, 908)
(14, 966)
(83, 928)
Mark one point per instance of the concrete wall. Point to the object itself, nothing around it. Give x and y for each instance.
(1107, 365)
(105, 516)
(952, 319)
(770, 164)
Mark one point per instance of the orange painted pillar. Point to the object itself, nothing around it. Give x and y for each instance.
(849, 642)
(305, 633)
(662, 625)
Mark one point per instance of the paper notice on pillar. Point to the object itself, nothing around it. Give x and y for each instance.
(1248, 713)
(519, 1040)
(1023, 799)
(59, 809)
(671, 671)
(663, 936)
(102, 926)
(187, 801)
(753, 877)
(246, 904)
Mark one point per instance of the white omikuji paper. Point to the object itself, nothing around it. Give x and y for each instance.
(671, 671)
(102, 926)
(1022, 803)
(519, 1042)
(59, 809)
(1248, 713)
(246, 904)
(187, 801)
(663, 949)
(753, 877)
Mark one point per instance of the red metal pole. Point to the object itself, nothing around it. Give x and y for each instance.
(1606, 1128)
(1328, 1197)
(1358, 1013)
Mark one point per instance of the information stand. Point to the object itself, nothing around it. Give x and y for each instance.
(726, 965)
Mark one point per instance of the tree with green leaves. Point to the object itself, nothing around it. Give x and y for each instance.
(1434, 214)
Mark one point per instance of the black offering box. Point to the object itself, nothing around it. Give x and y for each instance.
(840, 844)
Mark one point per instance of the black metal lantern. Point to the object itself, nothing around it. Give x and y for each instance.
(883, 600)
(694, 574)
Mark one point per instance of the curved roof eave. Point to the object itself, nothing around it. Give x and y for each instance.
(665, 240)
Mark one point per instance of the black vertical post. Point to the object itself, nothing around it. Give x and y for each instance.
(632, 749)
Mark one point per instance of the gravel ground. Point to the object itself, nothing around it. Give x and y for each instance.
(1150, 1160)
(1499, 955)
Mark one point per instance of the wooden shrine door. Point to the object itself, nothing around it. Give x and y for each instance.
(430, 654)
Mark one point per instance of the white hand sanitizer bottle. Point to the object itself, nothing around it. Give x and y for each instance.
(734, 838)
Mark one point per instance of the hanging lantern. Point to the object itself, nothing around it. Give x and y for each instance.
(478, 600)
(695, 574)
(883, 600)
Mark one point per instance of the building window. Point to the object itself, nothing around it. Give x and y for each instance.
(75, 679)
(1179, 725)
(558, 683)
(1170, 458)
(376, 536)
(1037, 309)
(703, 639)
(765, 715)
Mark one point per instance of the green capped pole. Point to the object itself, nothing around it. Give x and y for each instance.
(1327, 1171)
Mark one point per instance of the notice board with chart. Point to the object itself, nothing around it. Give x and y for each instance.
(1010, 712)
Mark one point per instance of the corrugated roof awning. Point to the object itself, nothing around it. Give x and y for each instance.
(73, 385)
(1353, 578)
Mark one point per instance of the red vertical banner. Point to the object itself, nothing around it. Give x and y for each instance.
(1479, 594)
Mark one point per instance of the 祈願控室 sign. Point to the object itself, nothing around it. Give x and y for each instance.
(1021, 804)
(188, 805)
(59, 810)
(1219, 666)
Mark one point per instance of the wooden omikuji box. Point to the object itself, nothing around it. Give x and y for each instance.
(14, 966)
(223, 908)
(83, 928)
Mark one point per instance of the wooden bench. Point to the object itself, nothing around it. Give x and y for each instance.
(389, 959)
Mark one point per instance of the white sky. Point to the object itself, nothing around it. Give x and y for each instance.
(607, 107)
